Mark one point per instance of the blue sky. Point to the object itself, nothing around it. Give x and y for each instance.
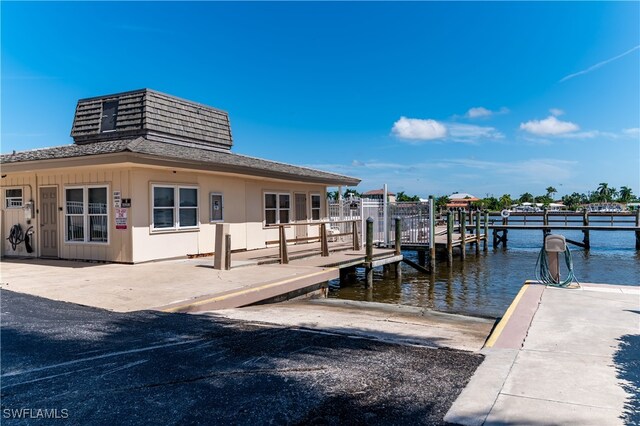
(431, 98)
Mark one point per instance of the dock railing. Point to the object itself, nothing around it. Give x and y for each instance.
(329, 231)
(415, 217)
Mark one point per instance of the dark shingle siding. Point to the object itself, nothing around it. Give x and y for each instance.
(187, 119)
(146, 111)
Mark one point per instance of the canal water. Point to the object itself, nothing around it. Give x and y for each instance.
(485, 285)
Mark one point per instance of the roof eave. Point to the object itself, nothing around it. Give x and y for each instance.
(148, 159)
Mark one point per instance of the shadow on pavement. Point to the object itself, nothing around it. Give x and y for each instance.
(153, 367)
(627, 363)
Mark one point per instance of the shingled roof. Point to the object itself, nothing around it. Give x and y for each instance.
(151, 114)
(183, 156)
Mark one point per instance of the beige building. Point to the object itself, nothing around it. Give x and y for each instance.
(148, 177)
(378, 194)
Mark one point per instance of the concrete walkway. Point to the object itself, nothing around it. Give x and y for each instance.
(126, 288)
(559, 356)
(183, 285)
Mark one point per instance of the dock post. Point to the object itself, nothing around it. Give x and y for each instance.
(478, 231)
(463, 234)
(585, 232)
(449, 237)
(398, 246)
(486, 229)
(398, 243)
(354, 232)
(227, 252)
(385, 215)
(324, 243)
(284, 256)
(637, 231)
(432, 234)
(369, 254)
(545, 217)
(505, 233)
(222, 247)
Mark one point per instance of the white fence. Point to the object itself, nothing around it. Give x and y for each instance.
(415, 218)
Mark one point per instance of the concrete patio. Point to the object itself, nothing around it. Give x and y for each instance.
(560, 356)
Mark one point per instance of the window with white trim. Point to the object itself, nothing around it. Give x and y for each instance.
(277, 207)
(86, 214)
(174, 207)
(216, 207)
(13, 198)
(315, 206)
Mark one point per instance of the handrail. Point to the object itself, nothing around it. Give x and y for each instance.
(323, 237)
(310, 223)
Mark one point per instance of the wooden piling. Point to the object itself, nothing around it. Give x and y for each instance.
(324, 243)
(284, 256)
(478, 231)
(432, 234)
(369, 254)
(486, 229)
(463, 234)
(227, 254)
(450, 237)
(638, 232)
(398, 243)
(422, 257)
(398, 246)
(505, 233)
(585, 232)
(545, 216)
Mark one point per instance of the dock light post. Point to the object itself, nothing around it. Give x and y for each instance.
(369, 253)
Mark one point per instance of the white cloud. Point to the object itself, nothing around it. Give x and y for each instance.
(599, 64)
(634, 131)
(415, 129)
(418, 129)
(479, 112)
(471, 133)
(549, 126)
(556, 112)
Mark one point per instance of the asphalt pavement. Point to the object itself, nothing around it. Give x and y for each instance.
(85, 365)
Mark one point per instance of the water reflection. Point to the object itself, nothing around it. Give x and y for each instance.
(486, 283)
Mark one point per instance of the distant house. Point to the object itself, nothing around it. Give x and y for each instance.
(461, 200)
(148, 177)
(378, 194)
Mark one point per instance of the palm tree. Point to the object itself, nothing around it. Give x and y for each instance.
(604, 191)
(505, 201)
(626, 194)
(527, 197)
(551, 190)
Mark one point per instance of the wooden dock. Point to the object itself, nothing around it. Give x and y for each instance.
(567, 221)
